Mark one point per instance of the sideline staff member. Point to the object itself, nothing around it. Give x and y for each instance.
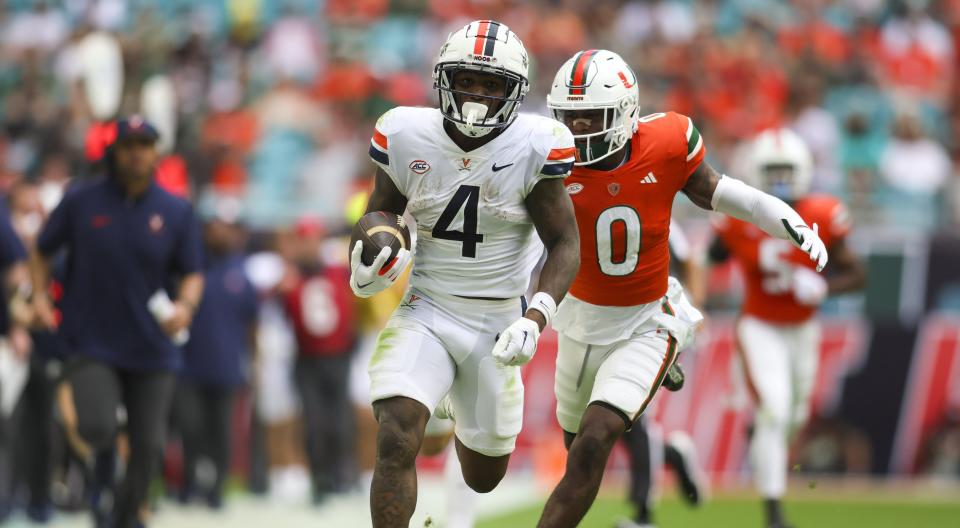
(126, 238)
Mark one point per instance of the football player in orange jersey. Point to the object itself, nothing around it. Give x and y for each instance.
(778, 336)
(624, 320)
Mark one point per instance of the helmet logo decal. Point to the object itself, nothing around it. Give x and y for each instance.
(486, 38)
(578, 77)
(626, 83)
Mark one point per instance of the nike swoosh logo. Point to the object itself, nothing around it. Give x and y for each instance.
(500, 168)
(362, 286)
(524, 340)
(790, 231)
(609, 85)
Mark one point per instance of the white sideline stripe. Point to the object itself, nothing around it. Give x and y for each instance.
(696, 148)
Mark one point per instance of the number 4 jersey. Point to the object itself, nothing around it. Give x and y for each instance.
(624, 221)
(474, 235)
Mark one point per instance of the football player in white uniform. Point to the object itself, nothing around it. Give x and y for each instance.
(478, 177)
(625, 319)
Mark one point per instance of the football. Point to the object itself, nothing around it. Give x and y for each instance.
(377, 230)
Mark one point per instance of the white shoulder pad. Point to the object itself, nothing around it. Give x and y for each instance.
(383, 151)
(553, 144)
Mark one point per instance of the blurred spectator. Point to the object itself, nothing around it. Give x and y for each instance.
(914, 169)
(15, 346)
(860, 151)
(818, 128)
(35, 420)
(290, 123)
(321, 308)
(216, 358)
(276, 403)
(227, 136)
(917, 50)
(292, 47)
(42, 29)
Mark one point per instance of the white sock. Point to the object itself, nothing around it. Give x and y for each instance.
(461, 500)
(768, 451)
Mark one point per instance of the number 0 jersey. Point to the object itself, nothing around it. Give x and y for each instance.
(767, 262)
(474, 235)
(624, 214)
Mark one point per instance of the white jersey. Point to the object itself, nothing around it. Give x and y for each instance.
(474, 235)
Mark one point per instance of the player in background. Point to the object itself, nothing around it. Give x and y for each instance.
(480, 179)
(777, 333)
(625, 319)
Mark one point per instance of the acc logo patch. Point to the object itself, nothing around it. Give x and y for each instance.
(419, 166)
(574, 188)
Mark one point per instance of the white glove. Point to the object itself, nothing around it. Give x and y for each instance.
(811, 244)
(809, 287)
(369, 280)
(517, 344)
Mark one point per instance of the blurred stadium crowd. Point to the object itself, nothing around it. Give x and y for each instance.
(275, 99)
(275, 102)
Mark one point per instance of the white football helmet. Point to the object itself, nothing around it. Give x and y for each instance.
(781, 164)
(598, 79)
(485, 46)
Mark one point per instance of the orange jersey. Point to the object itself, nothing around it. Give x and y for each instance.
(624, 214)
(767, 261)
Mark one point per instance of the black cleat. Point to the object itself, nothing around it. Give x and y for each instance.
(681, 456)
(674, 379)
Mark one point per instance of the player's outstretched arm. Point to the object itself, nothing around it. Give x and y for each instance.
(729, 196)
(848, 273)
(551, 210)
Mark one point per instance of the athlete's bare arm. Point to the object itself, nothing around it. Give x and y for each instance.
(386, 196)
(847, 272)
(551, 210)
(701, 185)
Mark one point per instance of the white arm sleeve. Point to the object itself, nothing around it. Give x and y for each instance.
(772, 215)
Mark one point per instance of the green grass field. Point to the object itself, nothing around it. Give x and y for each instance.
(741, 512)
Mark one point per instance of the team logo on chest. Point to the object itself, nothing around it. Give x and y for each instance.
(613, 189)
(419, 166)
(155, 223)
(465, 164)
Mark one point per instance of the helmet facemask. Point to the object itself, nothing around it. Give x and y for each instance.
(781, 164)
(465, 116)
(618, 127)
(779, 179)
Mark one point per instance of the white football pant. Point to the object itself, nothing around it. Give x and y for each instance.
(780, 362)
(436, 344)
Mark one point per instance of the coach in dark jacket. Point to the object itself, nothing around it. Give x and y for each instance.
(126, 240)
